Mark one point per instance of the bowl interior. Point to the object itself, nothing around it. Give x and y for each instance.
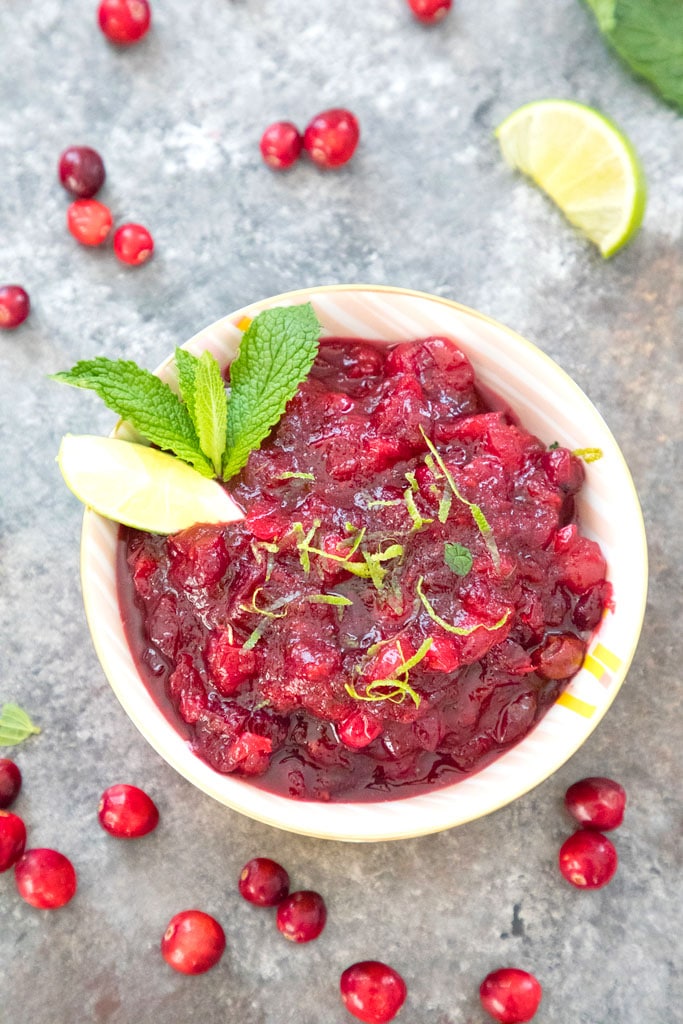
(550, 405)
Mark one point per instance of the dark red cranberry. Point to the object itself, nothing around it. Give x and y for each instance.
(263, 882)
(127, 812)
(193, 943)
(372, 991)
(15, 306)
(133, 244)
(596, 803)
(45, 878)
(10, 782)
(124, 21)
(511, 996)
(331, 138)
(559, 656)
(12, 839)
(430, 11)
(301, 917)
(588, 860)
(281, 145)
(81, 171)
(89, 221)
(590, 606)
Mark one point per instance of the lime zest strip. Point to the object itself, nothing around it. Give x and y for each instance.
(398, 689)
(458, 630)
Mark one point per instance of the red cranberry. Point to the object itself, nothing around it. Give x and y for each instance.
(127, 812)
(430, 11)
(81, 171)
(301, 917)
(10, 782)
(510, 995)
(588, 860)
(596, 803)
(193, 943)
(124, 21)
(133, 244)
(331, 138)
(12, 839)
(358, 731)
(45, 878)
(559, 656)
(372, 992)
(15, 306)
(281, 145)
(263, 882)
(89, 221)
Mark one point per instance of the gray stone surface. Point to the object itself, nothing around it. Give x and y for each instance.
(426, 203)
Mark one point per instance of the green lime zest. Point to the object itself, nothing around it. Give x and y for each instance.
(271, 612)
(370, 568)
(396, 690)
(418, 520)
(15, 726)
(449, 627)
(444, 507)
(256, 635)
(588, 454)
(333, 599)
(296, 476)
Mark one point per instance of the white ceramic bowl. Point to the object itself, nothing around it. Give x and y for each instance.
(550, 405)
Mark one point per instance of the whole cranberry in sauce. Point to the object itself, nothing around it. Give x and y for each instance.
(301, 917)
(45, 878)
(372, 991)
(331, 137)
(193, 943)
(15, 306)
(264, 882)
(127, 812)
(510, 995)
(81, 171)
(124, 21)
(10, 782)
(596, 803)
(281, 145)
(12, 839)
(588, 860)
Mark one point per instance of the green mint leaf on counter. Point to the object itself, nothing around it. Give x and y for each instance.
(15, 725)
(210, 410)
(458, 558)
(186, 365)
(138, 396)
(275, 355)
(648, 36)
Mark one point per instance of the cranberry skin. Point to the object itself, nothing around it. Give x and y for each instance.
(45, 878)
(124, 21)
(89, 221)
(331, 138)
(372, 991)
(301, 917)
(10, 782)
(511, 996)
(430, 11)
(281, 145)
(133, 244)
(588, 860)
(193, 943)
(263, 882)
(127, 812)
(596, 803)
(559, 656)
(81, 171)
(12, 839)
(15, 306)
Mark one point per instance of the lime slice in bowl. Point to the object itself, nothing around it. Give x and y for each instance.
(582, 161)
(141, 487)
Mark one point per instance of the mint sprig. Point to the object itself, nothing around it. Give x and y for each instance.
(15, 725)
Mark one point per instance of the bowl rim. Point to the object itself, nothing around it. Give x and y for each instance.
(284, 812)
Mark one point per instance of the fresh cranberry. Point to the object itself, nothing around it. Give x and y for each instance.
(193, 943)
(281, 145)
(15, 306)
(596, 803)
(301, 917)
(81, 171)
(89, 221)
(588, 860)
(45, 878)
(10, 782)
(124, 21)
(263, 882)
(12, 839)
(430, 11)
(127, 812)
(133, 244)
(511, 996)
(372, 991)
(559, 656)
(331, 138)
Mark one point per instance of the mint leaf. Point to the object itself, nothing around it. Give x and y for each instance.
(186, 364)
(648, 35)
(210, 412)
(458, 558)
(15, 725)
(276, 353)
(145, 401)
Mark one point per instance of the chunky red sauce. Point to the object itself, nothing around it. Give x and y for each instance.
(388, 465)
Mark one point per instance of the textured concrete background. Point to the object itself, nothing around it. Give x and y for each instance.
(426, 203)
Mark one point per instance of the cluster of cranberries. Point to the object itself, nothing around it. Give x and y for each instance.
(81, 172)
(330, 140)
(588, 859)
(124, 21)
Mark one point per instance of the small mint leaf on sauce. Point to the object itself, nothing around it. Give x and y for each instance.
(15, 725)
(210, 410)
(458, 558)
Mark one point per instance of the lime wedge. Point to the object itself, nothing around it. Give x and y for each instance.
(583, 162)
(141, 487)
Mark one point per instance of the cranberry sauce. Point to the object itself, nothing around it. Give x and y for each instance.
(408, 593)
